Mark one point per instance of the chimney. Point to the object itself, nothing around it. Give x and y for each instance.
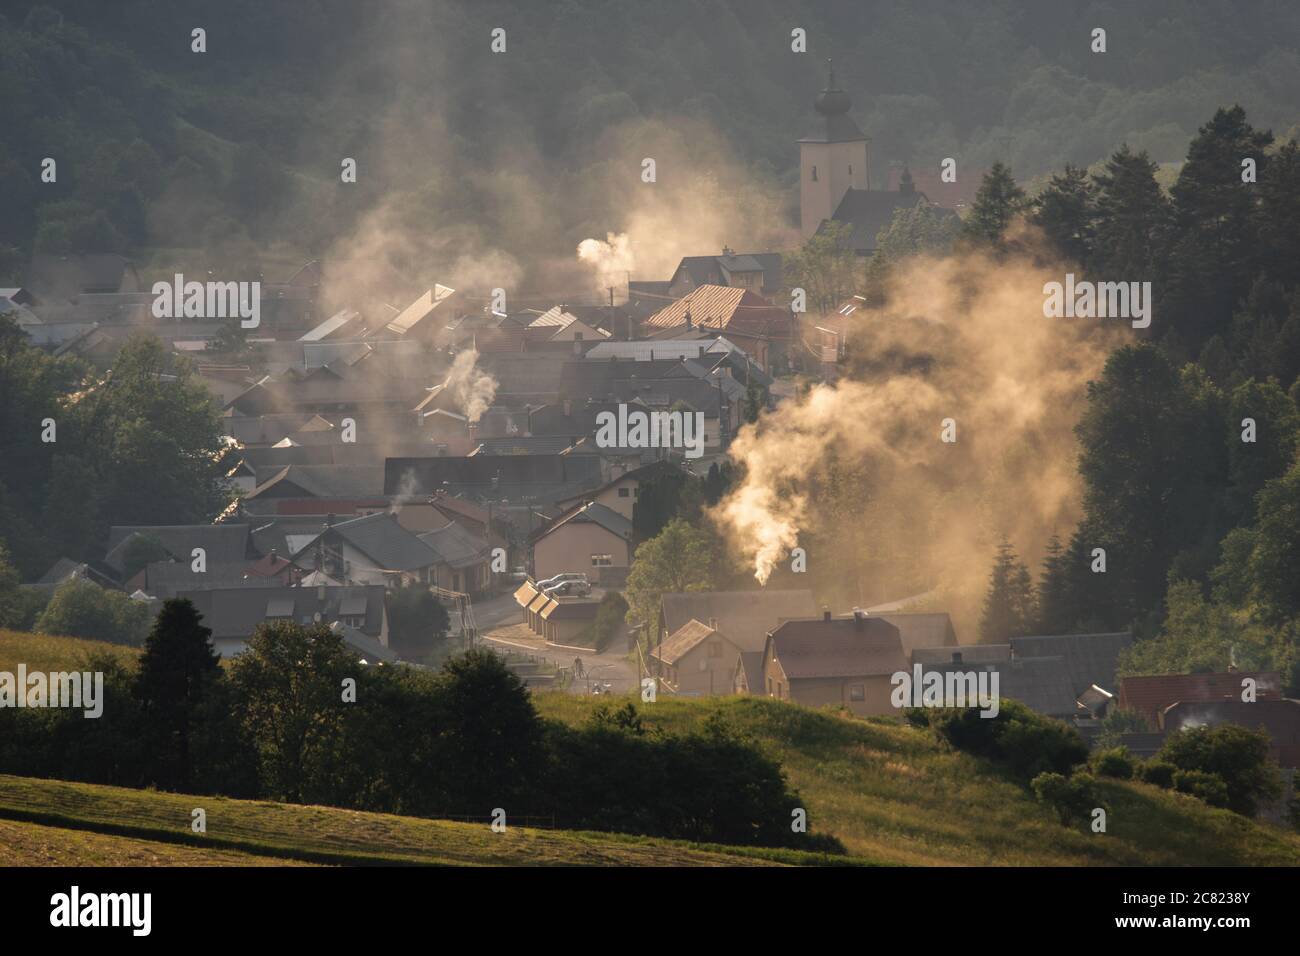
(688, 320)
(826, 613)
(859, 619)
(713, 623)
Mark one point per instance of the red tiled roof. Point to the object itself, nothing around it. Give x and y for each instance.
(1149, 696)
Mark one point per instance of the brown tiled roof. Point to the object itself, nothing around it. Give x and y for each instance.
(745, 617)
(842, 647)
(1149, 696)
(682, 641)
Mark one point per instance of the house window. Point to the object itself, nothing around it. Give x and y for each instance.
(602, 560)
(769, 687)
(857, 692)
(814, 174)
(715, 649)
(625, 492)
(850, 169)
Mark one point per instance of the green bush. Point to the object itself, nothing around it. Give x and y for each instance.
(1025, 742)
(1073, 798)
(1206, 786)
(1237, 756)
(1114, 762)
(1158, 773)
(81, 609)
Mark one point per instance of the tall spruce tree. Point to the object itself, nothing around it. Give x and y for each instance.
(177, 669)
(999, 200)
(1009, 604)
(1064, 211)
(1132, 217)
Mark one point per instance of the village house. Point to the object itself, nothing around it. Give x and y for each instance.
(696, 660)
(763, 330)
(743, 620)
(589, 537)
(1150, 696)
(843, 662)
(234, 613)
(373, 549)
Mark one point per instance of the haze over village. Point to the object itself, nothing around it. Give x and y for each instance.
(842, 435)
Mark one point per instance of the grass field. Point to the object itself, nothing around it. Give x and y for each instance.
(51, 653)
(29, 844)
(330, 835)
(891, 793)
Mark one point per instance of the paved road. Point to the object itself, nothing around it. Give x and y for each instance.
(497, 619)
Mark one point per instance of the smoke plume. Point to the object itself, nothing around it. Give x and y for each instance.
(857, 472)
(471, 387)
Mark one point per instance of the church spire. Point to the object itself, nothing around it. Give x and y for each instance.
(832, 101)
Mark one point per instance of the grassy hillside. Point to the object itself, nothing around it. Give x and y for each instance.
(891, 793)
(30, 844)
(331, 835)
(51, 653)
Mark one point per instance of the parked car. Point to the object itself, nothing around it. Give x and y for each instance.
(571, 588)
(562, 577)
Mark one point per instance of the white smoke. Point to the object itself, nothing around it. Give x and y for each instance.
(612, 259)
(472, 388)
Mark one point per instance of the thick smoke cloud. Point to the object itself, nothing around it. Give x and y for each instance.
(963, 338)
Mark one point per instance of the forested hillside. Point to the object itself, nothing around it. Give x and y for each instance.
(237, 149)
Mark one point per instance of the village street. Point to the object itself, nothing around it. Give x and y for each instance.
(500, 628)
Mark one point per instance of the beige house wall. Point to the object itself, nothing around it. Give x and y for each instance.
(696, 673)
(569, 548)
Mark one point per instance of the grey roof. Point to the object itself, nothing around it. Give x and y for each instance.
(592, 513)
(520, 445)
(220, 542)
(1040, 683)
(745, 617)
(275, 534)
(164, 578)
(456, 546)
(234, 613)
(534, 473)
(1089, 658)
(922, 630)
(319, 481)
(368, 647)
(963, 653)
(868, 211)
(380, 538)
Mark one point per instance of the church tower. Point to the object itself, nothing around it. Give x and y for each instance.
(832, 158)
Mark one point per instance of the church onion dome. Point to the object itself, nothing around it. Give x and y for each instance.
(832, 101)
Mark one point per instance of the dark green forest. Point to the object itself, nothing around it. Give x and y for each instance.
(238, 149)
